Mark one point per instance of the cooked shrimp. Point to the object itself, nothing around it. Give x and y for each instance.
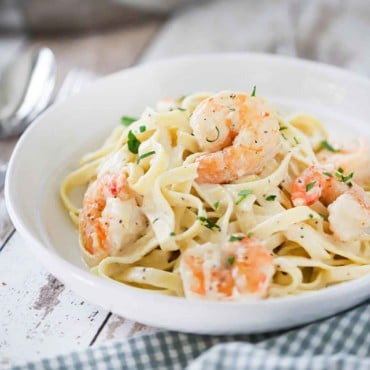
(110, 217)
(240, 134)
(354, 158)
(348, 203)
(239, 269)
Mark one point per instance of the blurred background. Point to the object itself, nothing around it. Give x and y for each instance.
(103, 36)
(106, 35)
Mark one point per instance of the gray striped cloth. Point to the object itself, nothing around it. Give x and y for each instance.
(340, 342)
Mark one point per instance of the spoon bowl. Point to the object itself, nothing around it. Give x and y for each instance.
(27, 88)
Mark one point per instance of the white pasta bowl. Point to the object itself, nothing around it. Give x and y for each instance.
(52, 146)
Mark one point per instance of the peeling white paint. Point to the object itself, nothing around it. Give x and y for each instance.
(39, 316)
(120, 328)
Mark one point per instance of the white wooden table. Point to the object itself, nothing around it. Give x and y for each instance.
(38, 315)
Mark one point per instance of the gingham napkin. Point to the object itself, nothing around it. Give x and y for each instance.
(340, 342)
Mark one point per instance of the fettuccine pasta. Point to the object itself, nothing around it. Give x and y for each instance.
(216, 196)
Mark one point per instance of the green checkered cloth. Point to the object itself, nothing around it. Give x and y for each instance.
(340, 342)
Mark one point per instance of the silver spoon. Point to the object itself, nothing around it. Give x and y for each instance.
(26, 89)
(3, 168)
(72, 84)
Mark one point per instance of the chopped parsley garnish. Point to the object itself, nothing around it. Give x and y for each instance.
(155, 220)
(208, 223)
(147, 154)
(127, 121)
(250, 234)
(232, 109)
(341, 177)
(310, 185)
(216, 204)
(254, 91)
(285, 138)
(142, 128)
(218, 135)
(172, 233)
(234, 238)
(242, 195)
(328, 174)
(296, 140)
(181, 109)
(339, 173)
(325, 145)
(310, 215)
(348, 177)
(282, 128)
(231, 260)
(271, 197)
(133, 143)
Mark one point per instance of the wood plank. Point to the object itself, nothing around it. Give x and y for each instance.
(39, 315)
(227, 26)
(118, 328)
(102, 53)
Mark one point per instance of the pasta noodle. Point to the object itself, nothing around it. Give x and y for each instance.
(168, 212)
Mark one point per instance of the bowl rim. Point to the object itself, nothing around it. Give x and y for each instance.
(86, 277)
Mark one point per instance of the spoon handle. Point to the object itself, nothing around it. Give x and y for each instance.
(3, 168)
